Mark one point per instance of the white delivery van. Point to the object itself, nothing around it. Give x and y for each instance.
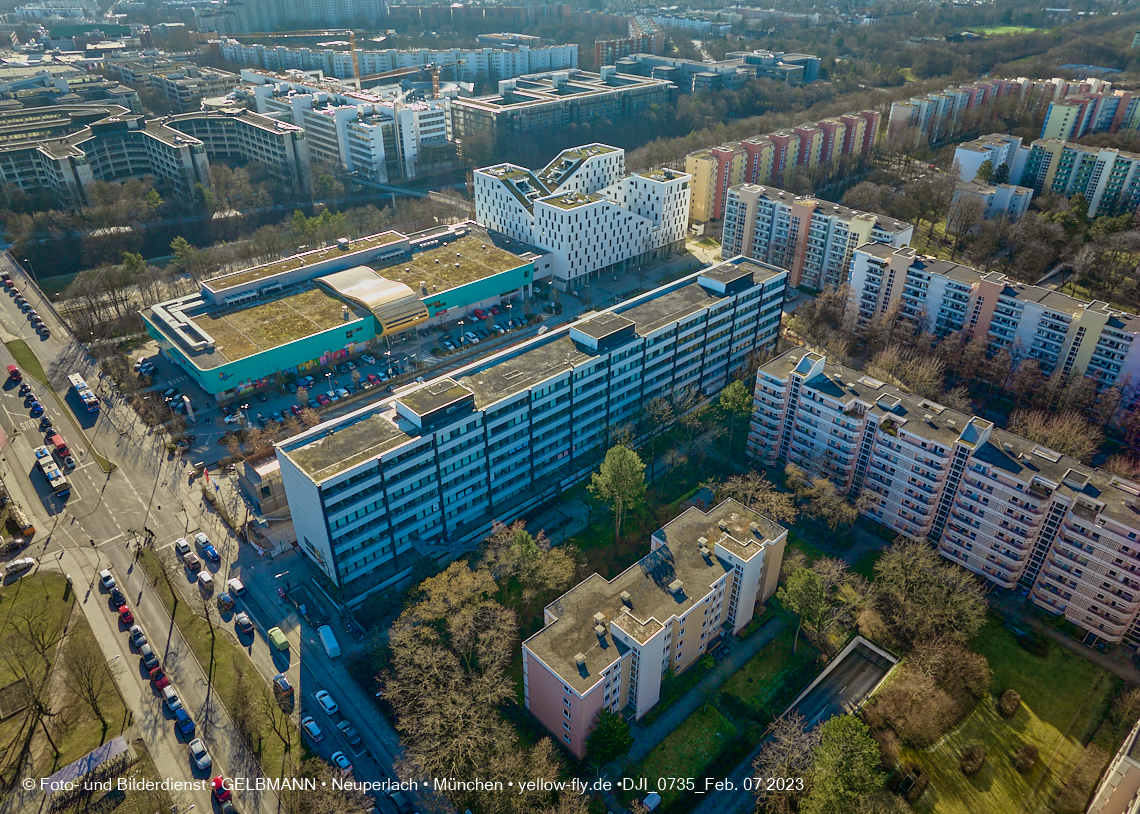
(329, 641)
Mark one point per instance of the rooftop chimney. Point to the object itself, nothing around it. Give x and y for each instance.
(626, 599)
(677, 588)
(601, 631)
(599, 618)
(723, 525)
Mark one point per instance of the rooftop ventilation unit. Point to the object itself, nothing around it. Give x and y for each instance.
(580, 660)
(626, 599)
(677, 588)
(601, 631)
(599, 618)
(702, 541)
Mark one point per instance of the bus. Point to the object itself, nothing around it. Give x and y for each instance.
(52, 472)
(85, 393)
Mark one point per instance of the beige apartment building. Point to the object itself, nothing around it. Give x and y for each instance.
(606, 644)
(1010, 510)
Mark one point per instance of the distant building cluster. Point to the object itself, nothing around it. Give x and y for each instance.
(1061, 333)
(813, 239)
(738, 67)
(583, 209)
(643, 38)
(1012, 511)
(374, 135)
(505, 60)
(183, 85)
(934, 113)
(694, 23)
(254, 16)
(764, 159)
(49, 84)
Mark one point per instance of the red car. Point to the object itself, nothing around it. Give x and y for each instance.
(220, 791)
(159, 678)
(125, 615)
(372, 377)
(295, 409)
(479, 313)
(495, 310)
(11, 287)
(322, 399)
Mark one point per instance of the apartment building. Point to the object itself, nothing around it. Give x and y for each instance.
(602, 641)
(814, 240)
(1085, 113)
(252, 16)
(1010, 510)
(691, 22)
(494, 62)
(997, 200)
(436, 462)
(379, 137)
(537, 105)
(764, 159)
(996, 148)
(1058, 331)
(585, 211)
(1109, 179)
(185, 87)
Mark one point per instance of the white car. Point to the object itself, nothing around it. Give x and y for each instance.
(340, 760)
(182, 546)
(326, 701)
(368, 359)
(233, 419)
(235, 586)
(199, 754)
(472, 338)
(201, 539)
(107, 579)
(22, 564)
(311, 729)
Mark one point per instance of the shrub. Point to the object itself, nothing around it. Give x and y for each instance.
(1009, 703)
(1024, 757)
(972, 759)
(918, 788)
(889, 745)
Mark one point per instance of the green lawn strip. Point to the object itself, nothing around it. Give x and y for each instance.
(865, 565)
(1064, 698)
(195, 630)
(674, 686)
(999, 30)
(771, 679)
(144, 802)
(29, 363)
(687, 751)
(75, 730)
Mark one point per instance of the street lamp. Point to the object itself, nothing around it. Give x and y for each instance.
(28, 263)
(388, 354)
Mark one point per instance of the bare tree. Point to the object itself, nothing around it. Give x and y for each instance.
(788, 753)
(89, 678)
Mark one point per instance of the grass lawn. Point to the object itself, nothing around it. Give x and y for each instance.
(865, 566)
(1007, 29)
(1064, 698)
(770, 679)
(195, 630)
(688, 750)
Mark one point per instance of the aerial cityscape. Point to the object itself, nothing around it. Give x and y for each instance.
(569, 408)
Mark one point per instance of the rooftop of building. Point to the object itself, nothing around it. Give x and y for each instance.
(661, 174)
(572, 200)
(340, 447)
(1017, 456)
(538, 89)
(298, 261)
(454, 264)
(252, 328)
(884, 222)
(649, 601)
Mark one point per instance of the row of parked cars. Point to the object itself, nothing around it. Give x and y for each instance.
(25, 306)
(199, 754)
(313, 731)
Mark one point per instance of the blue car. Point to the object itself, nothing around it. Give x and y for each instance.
(37, 408)
(184, 722)
(211, 553)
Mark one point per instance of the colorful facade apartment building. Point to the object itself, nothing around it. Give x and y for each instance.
(1058, 331)
(607, 644)
(813, 239)
(1010, 510)
(1109, 179)
(763, 159)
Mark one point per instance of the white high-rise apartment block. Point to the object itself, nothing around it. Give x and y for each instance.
(363, 132)
(1008, 509)
(998, 149)
(435, 463)
(1056, 330)
(586, 212)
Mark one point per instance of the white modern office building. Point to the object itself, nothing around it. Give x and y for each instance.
(1010, 510)
(436, 462)
(583, 209)
(812, 239)
(1031, 322)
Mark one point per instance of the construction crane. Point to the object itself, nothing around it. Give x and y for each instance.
(335, 32)
(433, 67)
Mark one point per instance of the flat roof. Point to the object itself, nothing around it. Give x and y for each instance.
(344, 447)
(572, 200)
(647, 582)
(248, 329)
(460, 262)
(517, 372)
(435, 395)
(298, 261)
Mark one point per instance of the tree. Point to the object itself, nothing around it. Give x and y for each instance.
(1001, 174)
(324, 797)
(759, 494)
(90, 680)
(788, 752)
(805, 596)
(513, 555)
(1069, 432)
(736, 402)
(966, 213)
(825, 504)
(881, 802)
(609, 739)
(620, 482)
(922, 596)
(845, 767)
(985, 171)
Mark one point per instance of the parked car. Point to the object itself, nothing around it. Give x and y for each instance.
(205, 582)
(277, 636)
(183, 721)
(181, 546)
(373, 378)
(169, 395)
(117, 598)
(225, 601)
(332, 396)
(243, 622)
(221, 793)
(138, 636)
(479, 313)
(447, 344)
(342, 392)
(192, 561)
(262, 420)
(312, 404)
(295, 409)
(149, 659)
(281, 685)
(472, 338)
(350, 733)
(199, 754)
(323, 400)
(171, 699)
(326, 701)
(340, 760)
(206, 547)
(232, 419)
(159, 677)
(125, 615)
(277, 417)
(311, 729)
(106, 579)
(16, 566)
(368, 359)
